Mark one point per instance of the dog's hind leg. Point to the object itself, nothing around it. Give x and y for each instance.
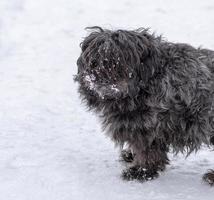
(209, 177)
(147, 163)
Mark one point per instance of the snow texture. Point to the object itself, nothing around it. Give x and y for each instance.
(50, 147)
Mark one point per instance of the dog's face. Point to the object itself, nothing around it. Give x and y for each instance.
(111, 62)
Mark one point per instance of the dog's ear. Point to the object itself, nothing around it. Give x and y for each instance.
(150, 60)
(87, 42)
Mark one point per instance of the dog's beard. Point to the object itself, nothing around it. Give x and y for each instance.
(104, 89)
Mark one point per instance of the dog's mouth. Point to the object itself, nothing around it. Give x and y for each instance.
(104, 89)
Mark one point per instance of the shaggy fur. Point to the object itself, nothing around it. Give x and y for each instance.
(151, 95)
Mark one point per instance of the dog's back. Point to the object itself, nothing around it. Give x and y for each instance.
(207, 57)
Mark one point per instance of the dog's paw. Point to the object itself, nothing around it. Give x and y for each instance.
(209, 177)
(139, 173)
(127, 156)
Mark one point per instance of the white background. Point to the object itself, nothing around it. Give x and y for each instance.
(50, 147)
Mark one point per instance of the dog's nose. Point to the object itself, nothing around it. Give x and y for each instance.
(104, 89)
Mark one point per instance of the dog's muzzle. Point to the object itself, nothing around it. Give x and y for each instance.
(105, 90)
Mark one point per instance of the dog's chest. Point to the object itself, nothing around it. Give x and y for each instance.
(130, 121)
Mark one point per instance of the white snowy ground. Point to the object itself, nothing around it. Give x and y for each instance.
(50, 147)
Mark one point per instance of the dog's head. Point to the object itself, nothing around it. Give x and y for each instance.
(115, 64)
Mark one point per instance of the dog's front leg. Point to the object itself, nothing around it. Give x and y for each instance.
(146, 163)
(127, 155)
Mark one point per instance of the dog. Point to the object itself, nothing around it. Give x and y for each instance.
(151, 95)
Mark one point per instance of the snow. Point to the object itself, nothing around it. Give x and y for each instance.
(89, 80)
(50, 147)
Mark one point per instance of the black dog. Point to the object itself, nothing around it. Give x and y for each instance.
(151, 94)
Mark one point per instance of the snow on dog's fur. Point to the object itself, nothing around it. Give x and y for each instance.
(151, 94)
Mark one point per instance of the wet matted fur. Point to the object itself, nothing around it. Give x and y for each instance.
(151, 95)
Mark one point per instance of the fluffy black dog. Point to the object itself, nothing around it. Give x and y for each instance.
(151, 95)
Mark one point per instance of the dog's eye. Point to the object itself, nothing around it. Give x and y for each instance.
(93, 63)
(177, 97)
